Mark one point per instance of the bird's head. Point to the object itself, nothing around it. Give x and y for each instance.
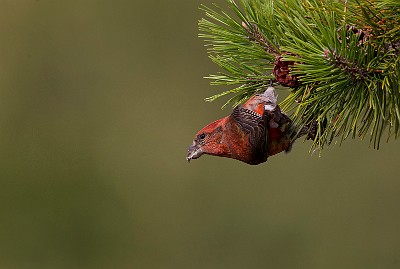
(208, 141)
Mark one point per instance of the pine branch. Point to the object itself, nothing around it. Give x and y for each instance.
(340, 60)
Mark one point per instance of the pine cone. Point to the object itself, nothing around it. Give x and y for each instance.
(282, 74)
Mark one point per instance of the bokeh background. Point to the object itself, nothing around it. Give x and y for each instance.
(99, 101)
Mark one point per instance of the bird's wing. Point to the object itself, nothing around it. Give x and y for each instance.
(254, 125)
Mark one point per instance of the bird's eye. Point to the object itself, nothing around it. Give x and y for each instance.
(202, 136)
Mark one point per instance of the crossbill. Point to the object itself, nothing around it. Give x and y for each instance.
(251, 133)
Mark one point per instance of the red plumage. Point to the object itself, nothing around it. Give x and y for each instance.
(253, 132)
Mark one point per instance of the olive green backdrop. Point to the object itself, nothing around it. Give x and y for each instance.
(99, 101)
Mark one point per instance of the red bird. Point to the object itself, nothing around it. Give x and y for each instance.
(253, 132)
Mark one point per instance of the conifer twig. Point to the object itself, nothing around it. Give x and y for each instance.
(338, 58)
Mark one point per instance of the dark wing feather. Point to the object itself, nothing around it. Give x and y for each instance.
(255, 126)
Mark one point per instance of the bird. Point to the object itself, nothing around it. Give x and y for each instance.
(253, 131)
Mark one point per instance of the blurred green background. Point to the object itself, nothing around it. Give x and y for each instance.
(99, 101)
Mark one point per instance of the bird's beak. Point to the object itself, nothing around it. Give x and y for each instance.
(194, 152)
(271, 98)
